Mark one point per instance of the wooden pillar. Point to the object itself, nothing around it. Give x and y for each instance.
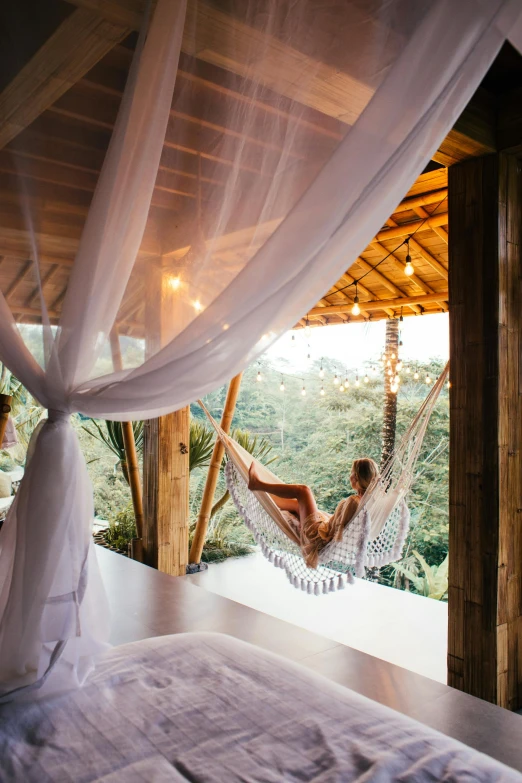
(165, 449)
(5, 410)
(485, 543)
(213, 473)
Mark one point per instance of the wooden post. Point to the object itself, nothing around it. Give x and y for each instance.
(5, 410)
(485, 546)
(213, 472)
(166, 443)
(131, 457)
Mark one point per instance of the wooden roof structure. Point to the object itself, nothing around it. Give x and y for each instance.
(60, 90)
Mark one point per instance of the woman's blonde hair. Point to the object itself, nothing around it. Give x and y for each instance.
(365, 470)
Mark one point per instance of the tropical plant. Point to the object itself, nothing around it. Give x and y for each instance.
(432, 583)
(122, 529)
(112, 437)
(201, 445)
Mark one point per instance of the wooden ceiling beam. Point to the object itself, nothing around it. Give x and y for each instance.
(425, 254)
(385, 281)
(403, 229)
(381, 304)
(72, 50)
(329, 91)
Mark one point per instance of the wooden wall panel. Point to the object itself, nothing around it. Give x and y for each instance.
(484, 645)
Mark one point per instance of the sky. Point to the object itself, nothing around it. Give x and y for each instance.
(424, 338)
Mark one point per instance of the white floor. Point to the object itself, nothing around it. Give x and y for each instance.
(399, 627)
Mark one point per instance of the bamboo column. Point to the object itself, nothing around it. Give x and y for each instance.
(131, 456)
(213, 473)
(5, 410)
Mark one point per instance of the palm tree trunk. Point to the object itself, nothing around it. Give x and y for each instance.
(389, 425)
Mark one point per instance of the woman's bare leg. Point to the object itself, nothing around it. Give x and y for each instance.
(306, 504)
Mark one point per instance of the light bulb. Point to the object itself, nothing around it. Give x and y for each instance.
(321, 372)
(416, 376)
(399, 366)
(303, 391)
(259, 378)
(388, 363)
(428, 379)
(374, 370)
(341, 388)
(448, 384)
(396, 380)
(292, 341)
(393, 356)
(357, 380)
(174, 283)
(282, 387)
(198, 307)
(336, 380)
(390, 371)
(356, 309)
(346, 384)
(322, 391)
(308, 329)
(308, 358)
(408, 269)
(407, 370)
(366, 379)
(393, 389)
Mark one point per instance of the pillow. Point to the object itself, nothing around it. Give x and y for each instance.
(5, 485)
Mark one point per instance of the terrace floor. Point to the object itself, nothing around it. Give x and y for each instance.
(401, 628)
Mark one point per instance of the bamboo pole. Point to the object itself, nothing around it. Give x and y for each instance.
(213, 472)
(5, 410)
(131, 456)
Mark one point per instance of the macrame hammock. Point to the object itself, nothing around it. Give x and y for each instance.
(376, 534)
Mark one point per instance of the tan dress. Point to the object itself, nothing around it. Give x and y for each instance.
(320, 528)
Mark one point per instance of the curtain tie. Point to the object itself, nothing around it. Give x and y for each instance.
(55, 415)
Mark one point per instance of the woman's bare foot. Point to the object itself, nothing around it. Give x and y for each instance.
(254, 482)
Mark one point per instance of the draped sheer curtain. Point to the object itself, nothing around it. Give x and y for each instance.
(219, 217)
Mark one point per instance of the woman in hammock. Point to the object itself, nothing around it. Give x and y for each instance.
(297, 502)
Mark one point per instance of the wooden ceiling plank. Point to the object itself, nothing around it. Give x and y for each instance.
(35, 293)
(78, 44)
(386, 282)
(403, 229)
(328, 90)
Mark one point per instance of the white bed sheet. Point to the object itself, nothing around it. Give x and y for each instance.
(205, 707)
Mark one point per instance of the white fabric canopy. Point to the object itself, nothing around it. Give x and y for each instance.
(324, 115)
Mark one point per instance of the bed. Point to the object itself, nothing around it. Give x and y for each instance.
(205, 707)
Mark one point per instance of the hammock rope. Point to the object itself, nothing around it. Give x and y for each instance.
(375, 536)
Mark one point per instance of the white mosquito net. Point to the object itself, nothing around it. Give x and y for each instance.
(229, 163)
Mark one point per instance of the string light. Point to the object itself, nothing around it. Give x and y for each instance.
(336, 380)
(407, 370)
(366, 379)
(448, 384)
(416, 375)
(198, 307)
(321, 371)
(322, 391)
(259, 377)
(292, 341)
(357, 383)
(393, 389)
(356, 309)
(428, 379)
(303, 391)
(346, 384)
(308, 328)
(174, 283)
(341, 388)
(399, 366)
(388, 363)
(393, 356)
(282, 387)
(396, 380)
(390, 371)
(408, 269)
